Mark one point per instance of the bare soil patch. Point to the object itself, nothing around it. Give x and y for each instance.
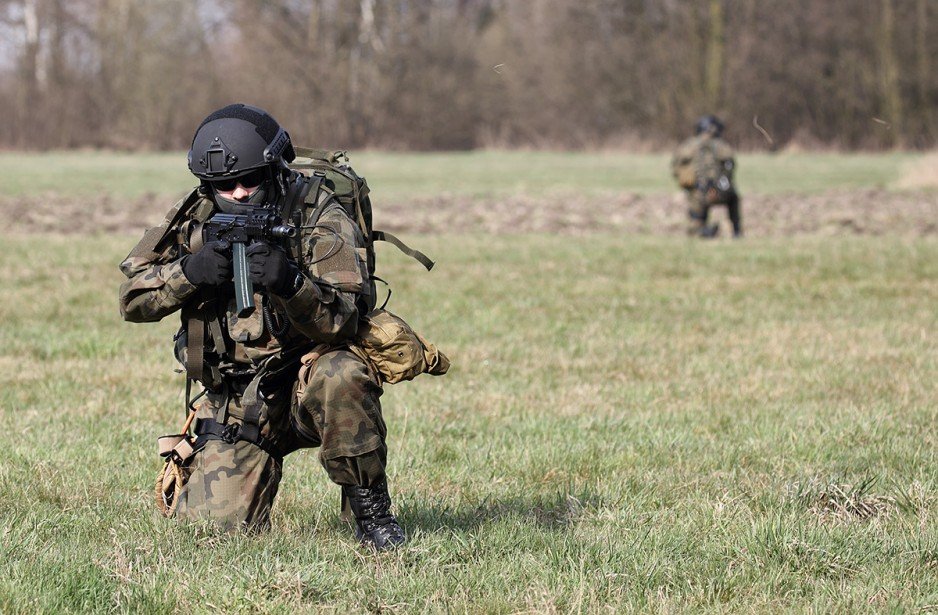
(846, 212)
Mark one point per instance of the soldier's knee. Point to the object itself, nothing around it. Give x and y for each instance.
(339, 375)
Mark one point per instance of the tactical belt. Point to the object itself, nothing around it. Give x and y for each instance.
(251, 403)
(210, 429)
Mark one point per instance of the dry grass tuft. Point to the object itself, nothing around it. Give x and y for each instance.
(844, 502)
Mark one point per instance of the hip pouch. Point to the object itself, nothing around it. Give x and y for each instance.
(686, 176)
(394, 350)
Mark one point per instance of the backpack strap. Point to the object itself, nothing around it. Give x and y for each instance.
(200, 315)
(298, 191)
(293, 210)
(154, 237)
(417, 255)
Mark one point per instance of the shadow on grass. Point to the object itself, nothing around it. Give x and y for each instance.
(550, 512)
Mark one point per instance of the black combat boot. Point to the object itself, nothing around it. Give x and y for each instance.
(374, 523)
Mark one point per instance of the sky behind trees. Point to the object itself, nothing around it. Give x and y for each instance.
(459, 74)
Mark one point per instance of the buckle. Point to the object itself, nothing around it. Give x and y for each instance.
(231, 432)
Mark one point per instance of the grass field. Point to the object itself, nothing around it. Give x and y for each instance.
(649, 425)
(630, 424)
(402, 176)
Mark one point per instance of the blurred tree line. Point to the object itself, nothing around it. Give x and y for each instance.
(453, 74)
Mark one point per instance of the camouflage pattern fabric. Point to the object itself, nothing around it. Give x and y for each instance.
(324, 309)
(698, 210)
(340, 412)
(704, 153)
(234, 484)
(707, 156)
(153, 290)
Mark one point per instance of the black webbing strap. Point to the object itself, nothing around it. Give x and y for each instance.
(210, 429)
(403, 247)
(293, 209)
(252, 399)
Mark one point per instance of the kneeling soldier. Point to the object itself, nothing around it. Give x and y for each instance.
(270, 274)
(704, 166)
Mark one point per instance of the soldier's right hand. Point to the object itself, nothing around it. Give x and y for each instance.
(210, 266)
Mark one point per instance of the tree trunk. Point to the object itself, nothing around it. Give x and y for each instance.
(924, 68)
(889, 67)
(715, 50)
(32, 79)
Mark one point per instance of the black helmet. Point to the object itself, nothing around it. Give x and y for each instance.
(236, 140)
(709, 123)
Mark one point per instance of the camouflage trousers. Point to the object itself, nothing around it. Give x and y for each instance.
(234, 484)
(698, 212)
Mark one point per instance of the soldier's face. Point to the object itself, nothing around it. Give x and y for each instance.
(241, 188)
(239, 193)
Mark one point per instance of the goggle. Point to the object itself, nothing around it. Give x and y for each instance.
(250, 181)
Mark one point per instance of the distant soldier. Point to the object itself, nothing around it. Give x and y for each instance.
(281, 374)
(703, 165)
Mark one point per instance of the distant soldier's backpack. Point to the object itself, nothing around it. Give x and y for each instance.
(714, 165)
(682, 165)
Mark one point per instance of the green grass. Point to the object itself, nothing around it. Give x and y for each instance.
(402, 176)
(641, 424)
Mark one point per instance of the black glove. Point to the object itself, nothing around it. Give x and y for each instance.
(210, 266)
(269, 267)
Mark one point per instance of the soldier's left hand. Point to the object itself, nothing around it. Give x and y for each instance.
(269, 266)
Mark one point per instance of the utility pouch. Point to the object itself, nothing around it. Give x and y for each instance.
(395, 351)
(686, 177)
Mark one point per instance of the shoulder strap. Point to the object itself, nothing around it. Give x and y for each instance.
(199, 314)
(154, 237)
(298, 191)
(321, 208)
(293, 211)
(403, 247)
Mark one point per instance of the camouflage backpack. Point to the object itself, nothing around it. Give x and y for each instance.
(353, 193)
(713, 164)
(385, 341)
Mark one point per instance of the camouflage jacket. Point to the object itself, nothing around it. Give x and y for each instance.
(706, 155)
(330, 253)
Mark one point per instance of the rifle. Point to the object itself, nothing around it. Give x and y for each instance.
(240, 230)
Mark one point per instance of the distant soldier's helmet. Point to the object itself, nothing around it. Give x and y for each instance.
(709, 124)
(240, 142)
